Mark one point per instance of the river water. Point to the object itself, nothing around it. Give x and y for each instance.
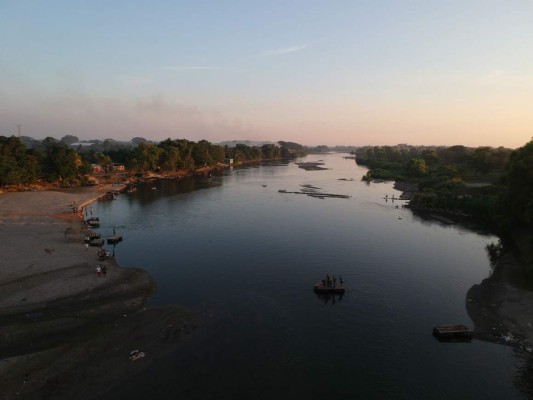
(234, 245)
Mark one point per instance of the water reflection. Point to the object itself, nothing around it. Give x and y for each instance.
(408, 276)
(329, 297)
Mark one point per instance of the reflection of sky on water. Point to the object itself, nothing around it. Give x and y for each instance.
(253, 254)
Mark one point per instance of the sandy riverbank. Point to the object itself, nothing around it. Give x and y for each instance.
(501, 306)
(63, 328)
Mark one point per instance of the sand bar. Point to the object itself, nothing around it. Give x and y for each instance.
(61, 326)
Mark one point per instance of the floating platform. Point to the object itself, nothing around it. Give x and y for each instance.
(452, 332)
(319, 288)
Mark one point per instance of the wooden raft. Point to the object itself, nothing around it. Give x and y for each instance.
(449, 332)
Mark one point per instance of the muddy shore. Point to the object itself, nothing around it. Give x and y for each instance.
(62, 327)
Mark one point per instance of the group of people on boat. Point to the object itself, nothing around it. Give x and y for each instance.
(331, 281)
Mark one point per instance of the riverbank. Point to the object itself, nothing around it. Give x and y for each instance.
(64, 331)
(501, 306)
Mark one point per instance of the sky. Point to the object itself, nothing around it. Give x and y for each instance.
(313, 72)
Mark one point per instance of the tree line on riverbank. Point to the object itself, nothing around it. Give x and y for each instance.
(53, 160)
(494, 185)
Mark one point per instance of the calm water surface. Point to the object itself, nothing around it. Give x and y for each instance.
(235, 246)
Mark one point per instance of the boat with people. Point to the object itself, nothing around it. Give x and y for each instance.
(330, 284)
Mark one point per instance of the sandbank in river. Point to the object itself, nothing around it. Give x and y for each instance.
(65, 332)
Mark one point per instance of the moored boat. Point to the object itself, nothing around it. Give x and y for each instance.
(96, 242)
(114, 239)
(93, 222)
(453, 332)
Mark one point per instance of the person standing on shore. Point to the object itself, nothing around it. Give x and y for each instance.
(104, 269)
(98, 270)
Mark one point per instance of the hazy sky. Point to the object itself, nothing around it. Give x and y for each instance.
(314, 72)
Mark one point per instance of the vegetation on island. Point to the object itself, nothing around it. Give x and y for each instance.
(494, 185)
(26, 160)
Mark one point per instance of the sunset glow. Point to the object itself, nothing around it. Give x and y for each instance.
(312, 72)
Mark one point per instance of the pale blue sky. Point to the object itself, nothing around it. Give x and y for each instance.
(313, 72)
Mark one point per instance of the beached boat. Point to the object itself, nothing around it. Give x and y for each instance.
(93, 222)
(452, 332)
(96, 242)
(90, 235)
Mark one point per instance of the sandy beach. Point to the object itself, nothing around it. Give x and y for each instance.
(62, 327)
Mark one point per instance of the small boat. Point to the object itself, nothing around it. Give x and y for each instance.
(452, 332)
(329, 284)
(114, 239)
(96, 242)
(112, 194)
(93, 222)
(90, 235)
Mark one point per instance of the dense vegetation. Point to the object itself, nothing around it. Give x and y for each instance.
(492, 184)
(52, 160)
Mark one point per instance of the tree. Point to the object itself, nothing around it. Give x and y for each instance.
(69, 139)
(170, 155)
(138, 140)
(146, 157)
(417, 167)
(271, 151)
(517, 203)
(60, 162)
(200, 154)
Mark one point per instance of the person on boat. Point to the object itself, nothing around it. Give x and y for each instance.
(328, 282)
(334, 281)
(340, 279)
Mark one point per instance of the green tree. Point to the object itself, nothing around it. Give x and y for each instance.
(60, 162)
(517, 203)
(146, 157)
(170, 155)
(416, 167)
(69, 139)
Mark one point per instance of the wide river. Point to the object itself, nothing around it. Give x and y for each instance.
(249, 255)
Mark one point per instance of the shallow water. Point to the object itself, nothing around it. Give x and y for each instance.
(234, 245)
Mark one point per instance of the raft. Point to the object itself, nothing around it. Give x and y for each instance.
(452, 332)
(319, 288)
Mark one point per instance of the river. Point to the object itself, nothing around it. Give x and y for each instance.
(235, 246)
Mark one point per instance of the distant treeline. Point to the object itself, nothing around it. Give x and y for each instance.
(54, 160)
(492, 184)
